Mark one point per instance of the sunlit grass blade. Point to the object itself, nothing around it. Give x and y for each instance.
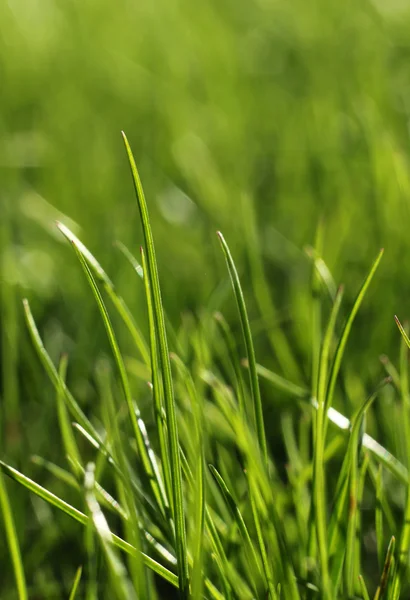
(250, 352)
(77, 515)
(384, 580)
(12, 541)
(76, 583)
(148, 460)
(109, 287)
(173, 441)
(116, 569)
(337, 361)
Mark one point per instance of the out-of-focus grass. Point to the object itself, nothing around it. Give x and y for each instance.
(256, 118)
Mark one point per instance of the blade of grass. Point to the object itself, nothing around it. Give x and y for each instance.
(199, 503)
(172, 428)
(351, 464)
(157, 387)
(77, 515)
(319, 484)
(13, 542)
(148, 459)
(56, 380)
(250, 352)
(402, 566)
(346, 331)
(379, 514)
(67, 435)
(387, 569)
(381, 453)
(363, 588)
(76, 583)
(109, 287)
(237, 516)
(118, 574)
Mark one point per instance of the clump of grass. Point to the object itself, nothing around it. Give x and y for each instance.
(195, 498)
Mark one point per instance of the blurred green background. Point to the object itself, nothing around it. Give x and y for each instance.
(257, 118)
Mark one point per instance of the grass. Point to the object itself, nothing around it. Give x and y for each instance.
(199, 418)
(248, 531)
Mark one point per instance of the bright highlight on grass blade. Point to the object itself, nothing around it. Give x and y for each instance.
(77, 515)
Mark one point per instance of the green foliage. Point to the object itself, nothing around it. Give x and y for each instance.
(258, 462)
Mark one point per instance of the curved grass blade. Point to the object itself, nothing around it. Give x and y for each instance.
(250, 352)
(346, 331)
(77, 515)
(172, 428)
(56, 380)
(12, 542)
(109, 287)
(148, 460)
(76, 583)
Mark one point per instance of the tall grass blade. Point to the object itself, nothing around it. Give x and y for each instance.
(250, 352)
(173, 441)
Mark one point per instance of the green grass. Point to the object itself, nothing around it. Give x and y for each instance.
(242, 534)
(198, 418)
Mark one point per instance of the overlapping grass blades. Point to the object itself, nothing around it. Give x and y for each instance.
(172, 429)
